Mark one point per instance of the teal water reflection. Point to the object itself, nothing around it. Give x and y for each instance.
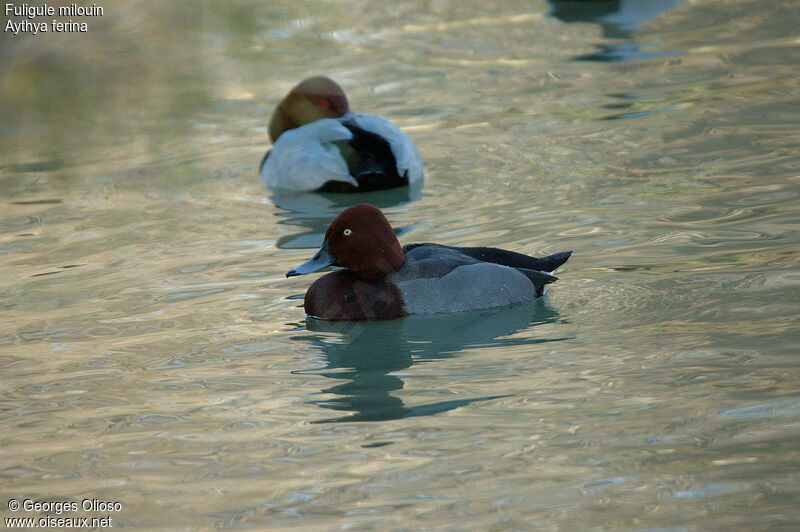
(619, 20)
(369, 355)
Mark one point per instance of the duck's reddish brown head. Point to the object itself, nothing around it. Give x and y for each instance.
(361, 240)
(312, 99)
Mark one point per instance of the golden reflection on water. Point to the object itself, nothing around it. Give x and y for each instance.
(153, 352)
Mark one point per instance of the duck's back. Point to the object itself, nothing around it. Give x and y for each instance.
(438, 278)
(354, 153)
(306, 158)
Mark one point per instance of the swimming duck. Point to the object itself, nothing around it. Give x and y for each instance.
(382, 280)
(319, 145)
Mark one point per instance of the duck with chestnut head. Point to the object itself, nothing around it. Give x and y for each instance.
(319, 145)
(380, 279)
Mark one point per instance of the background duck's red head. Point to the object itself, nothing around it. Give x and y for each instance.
(312, 99)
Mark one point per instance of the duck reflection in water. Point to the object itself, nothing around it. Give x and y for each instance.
(618, 19)
(312, 212)
(368, 355)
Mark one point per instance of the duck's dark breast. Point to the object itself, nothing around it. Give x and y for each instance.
(343, 296)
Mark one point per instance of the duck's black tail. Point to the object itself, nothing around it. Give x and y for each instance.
(370, 161)
(518, 260)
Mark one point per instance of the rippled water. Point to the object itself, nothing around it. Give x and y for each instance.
(153, 353)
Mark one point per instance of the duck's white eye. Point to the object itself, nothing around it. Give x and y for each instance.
(347, 232)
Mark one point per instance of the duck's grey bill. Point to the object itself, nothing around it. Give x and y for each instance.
(320, 260)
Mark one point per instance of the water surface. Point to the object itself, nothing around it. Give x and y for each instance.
(153, 353)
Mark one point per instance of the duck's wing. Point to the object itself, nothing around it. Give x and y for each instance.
(425, 261)
(307, 157)
(468, 286)
(517, 260)
(537, 270)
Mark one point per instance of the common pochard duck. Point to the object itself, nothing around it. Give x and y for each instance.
(382, 280)
(319, 145)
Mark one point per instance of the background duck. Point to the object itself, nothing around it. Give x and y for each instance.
(319, 145)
